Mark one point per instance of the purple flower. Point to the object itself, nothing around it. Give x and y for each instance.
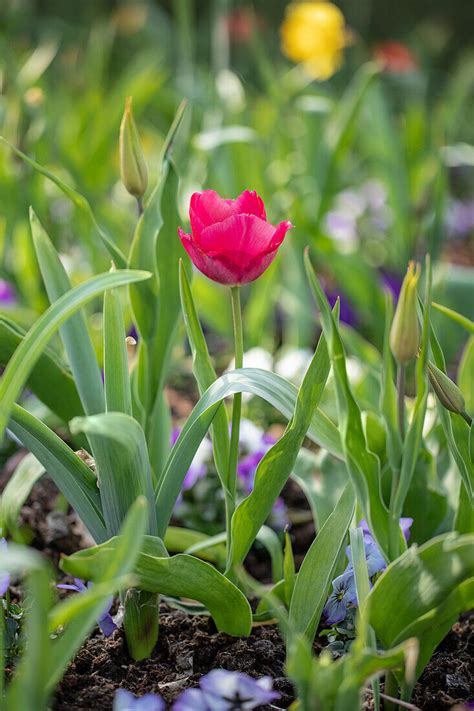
(105, 621)
(126, 701)
(373, 556)
(460, 218)
(223, 690)
(7, 293)
(4, 575)
(343, 594)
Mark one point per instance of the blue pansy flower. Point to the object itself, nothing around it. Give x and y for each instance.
(4, 574)
(125, 701)
(223, 690)
(343, 594)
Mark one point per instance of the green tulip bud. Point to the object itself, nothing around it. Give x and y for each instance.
(446, 391)
(405, 331)
(132, 163)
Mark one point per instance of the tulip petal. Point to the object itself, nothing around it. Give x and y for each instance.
(240, 234)
(206, 209)
(250, 203)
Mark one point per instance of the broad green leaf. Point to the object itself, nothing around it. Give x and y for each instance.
(74, 332)
(29, 351)
(362, 465)
(70, 474)
(318, 567)
(119, 563)
(118, 396)
(205, 375)
(419, 582)
(269, 386)
(125, 473)
(179, 575)
(50, 380)
(77, 199)
(276, 466)
(17, 490)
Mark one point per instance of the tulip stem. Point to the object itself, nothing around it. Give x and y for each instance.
(401, 399)
(236, 414)
(139, 206)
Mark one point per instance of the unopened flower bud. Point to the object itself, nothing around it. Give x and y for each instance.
(447, 392)
(132, 163)
(405, 331)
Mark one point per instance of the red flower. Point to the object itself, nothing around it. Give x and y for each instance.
(231, 241)
(395, 57)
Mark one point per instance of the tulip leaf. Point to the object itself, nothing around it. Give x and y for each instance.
(455, 316)
(423, 587)
(125, 473)
(50, 379)
(70, 474)
(180, 575)
(362, 465)
(29, 351)
(205, 375)
(118, 396)
(74, 332)
(318, 567)
(277, 464)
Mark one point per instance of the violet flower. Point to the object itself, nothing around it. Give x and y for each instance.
(125, 701)
(7, 294)
(105, 622)
(343, 594)
(223, 690)
(4, 574)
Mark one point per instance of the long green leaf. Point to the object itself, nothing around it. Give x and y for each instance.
(277, 464)
(72, 477)
(317, 569)
(49, 380)
(74, 332)
(126, 472)
(205, 374)
(362, 465)
(28, 352)
(118, 395)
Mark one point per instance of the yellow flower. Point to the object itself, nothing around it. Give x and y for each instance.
(314, 33)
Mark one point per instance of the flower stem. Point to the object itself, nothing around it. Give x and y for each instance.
(401, 399)
(236, 414)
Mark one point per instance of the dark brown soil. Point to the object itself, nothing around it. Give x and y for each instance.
(188, 647)
(449, 677)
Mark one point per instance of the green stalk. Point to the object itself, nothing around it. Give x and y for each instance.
(236, 415)
(141, 622)
(394, 532)
(401, 399)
